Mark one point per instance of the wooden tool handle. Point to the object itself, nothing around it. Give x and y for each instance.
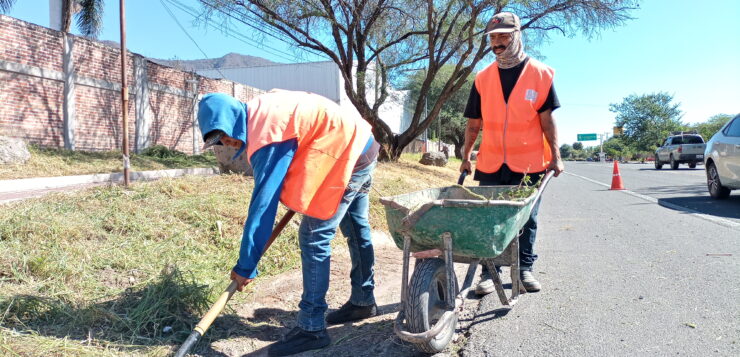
(216, 309)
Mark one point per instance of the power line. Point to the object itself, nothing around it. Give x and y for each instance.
(236, 35)
(172, 15)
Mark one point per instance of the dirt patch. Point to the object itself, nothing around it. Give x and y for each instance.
(271, 311)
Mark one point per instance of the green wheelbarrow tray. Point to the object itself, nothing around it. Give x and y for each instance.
(481, 225)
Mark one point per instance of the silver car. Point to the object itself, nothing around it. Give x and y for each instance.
(722, 160)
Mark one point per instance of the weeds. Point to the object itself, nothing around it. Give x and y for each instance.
(93, 273)
(60, 162)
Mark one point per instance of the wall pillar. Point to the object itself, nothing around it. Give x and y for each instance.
(141, 101)
(68, 98)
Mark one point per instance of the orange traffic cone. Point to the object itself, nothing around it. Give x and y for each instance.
(616, 178)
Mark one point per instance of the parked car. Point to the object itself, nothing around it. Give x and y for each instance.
(680, 148)
(722, 162)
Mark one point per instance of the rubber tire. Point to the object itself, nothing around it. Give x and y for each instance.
(658, 165)
(674, 164)
(429, 278)
(692, 165)
(717, 191)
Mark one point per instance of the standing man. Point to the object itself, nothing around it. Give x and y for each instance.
(317, 159)
(512, 100)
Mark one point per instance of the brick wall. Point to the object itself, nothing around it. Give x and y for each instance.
(32, 84)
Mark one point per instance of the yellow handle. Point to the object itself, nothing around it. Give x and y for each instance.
(216, 309)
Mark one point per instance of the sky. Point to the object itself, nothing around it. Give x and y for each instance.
(687, 48)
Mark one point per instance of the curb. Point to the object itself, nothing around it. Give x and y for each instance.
(44, 183)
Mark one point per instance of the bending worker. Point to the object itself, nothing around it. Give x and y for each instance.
(317, 159)
(512, 101)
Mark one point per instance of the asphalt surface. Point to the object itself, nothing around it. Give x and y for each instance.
(683, 189)
(621, 274)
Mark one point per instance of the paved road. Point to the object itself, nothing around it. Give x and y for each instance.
(683, 189)
(618, 283)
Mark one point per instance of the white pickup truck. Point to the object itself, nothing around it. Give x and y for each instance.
(680, 148)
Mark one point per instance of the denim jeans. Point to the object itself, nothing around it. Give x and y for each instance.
(529, 232)
(315, 236)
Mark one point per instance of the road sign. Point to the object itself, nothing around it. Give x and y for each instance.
(586, 137)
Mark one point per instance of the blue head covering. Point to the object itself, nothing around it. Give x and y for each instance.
(218, 111)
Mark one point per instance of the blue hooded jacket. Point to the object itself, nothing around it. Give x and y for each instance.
(218, 111)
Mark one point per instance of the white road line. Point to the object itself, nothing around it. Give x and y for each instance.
(713, 219)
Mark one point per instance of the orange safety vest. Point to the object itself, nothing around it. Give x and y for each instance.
(330, 140)
(512, 132)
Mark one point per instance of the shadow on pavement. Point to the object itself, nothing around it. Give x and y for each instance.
(727, 208)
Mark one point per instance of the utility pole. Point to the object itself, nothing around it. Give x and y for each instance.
(124, 95)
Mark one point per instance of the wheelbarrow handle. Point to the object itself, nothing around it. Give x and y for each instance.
(543, 184)
(462, 177)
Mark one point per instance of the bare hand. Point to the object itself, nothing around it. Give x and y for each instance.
(241, 281)
(466, 166)
(556, 165)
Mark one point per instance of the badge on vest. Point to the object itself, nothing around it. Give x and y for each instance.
(530, 95)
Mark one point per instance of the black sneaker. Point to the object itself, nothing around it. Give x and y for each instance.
(297, 341)
(350, 312)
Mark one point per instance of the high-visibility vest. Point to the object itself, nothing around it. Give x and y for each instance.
(330, 140)
(512, 132)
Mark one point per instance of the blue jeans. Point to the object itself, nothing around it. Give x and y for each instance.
(529, 232)
(315, 236)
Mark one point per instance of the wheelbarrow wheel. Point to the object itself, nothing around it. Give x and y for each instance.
(426, 303)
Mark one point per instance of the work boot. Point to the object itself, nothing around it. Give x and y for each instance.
(351, 312)
(529, 282)
(485, 286)
(297, 341)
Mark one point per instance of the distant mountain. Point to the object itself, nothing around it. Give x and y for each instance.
(227, 61)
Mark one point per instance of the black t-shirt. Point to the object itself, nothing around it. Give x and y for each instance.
(508, 77)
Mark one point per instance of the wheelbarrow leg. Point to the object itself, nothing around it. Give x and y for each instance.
(405, 272)
(450, 292)
(497, 282)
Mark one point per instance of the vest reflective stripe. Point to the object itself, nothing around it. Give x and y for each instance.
(512, 132)
(330, 140)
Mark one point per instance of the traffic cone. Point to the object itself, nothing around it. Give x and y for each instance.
(616, 178)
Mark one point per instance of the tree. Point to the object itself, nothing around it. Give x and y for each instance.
(388, 39)
(647, 119)
(712, 126)
(616, 148)
(89, 14)
(577, 145)
(450, 123)
(566, 151)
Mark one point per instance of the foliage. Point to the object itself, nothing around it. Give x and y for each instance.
(376, 43)
(450, 123)
(566, 151)
(520, 192)
(711, 126)
(615, 147)
(647, 119)
(577, 145)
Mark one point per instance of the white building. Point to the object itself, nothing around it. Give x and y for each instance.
(321, 78)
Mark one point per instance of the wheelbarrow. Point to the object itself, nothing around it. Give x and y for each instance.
(463, 225)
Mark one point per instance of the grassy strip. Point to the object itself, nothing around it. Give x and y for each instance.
(60, 162)
(109, 271)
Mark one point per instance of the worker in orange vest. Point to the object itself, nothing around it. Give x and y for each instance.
(317, 159)
(512, 101)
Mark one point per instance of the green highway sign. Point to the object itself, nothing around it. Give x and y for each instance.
(586, 137)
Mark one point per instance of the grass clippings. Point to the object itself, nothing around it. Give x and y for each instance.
(115, 272)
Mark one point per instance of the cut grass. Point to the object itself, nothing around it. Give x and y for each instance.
(59, 162)
(104, 271)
